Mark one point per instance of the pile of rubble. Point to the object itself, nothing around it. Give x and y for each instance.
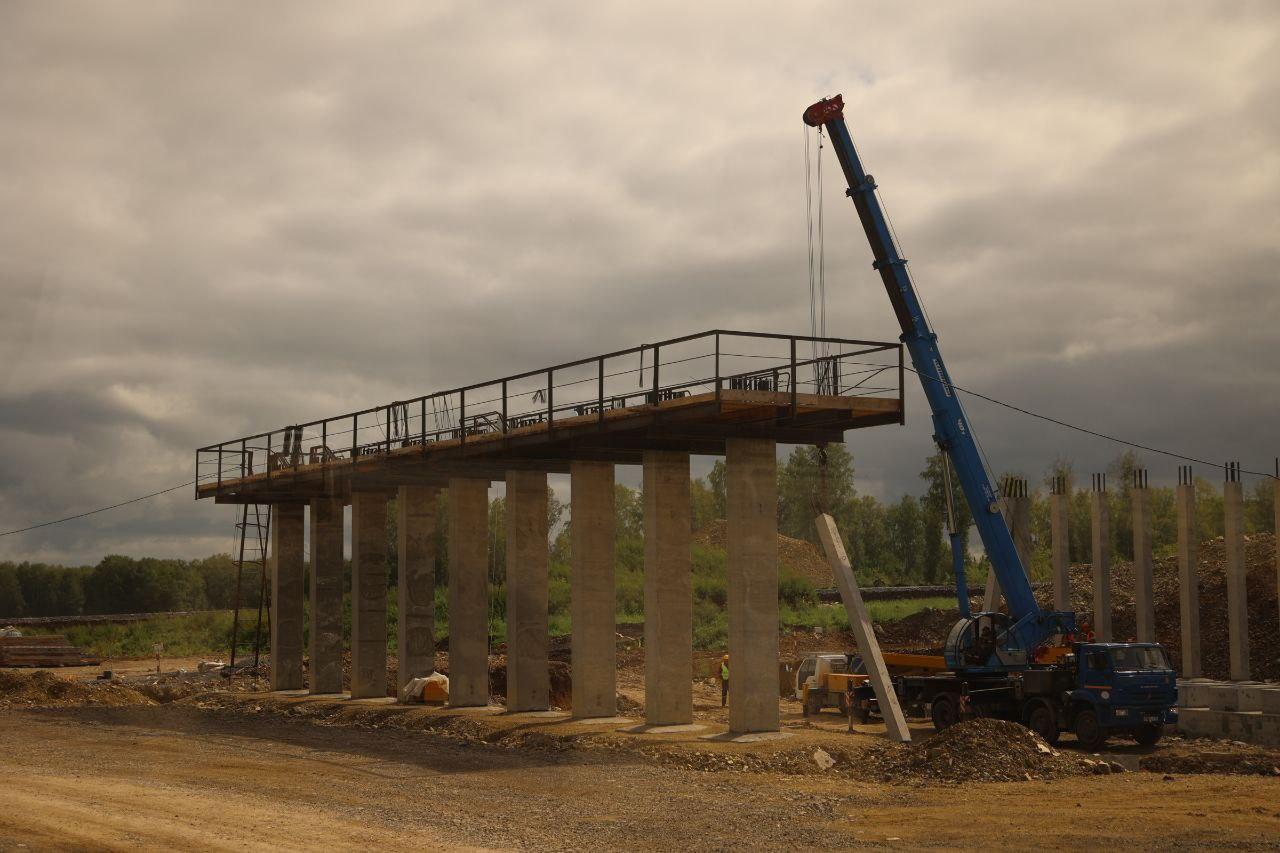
(799, 556)
(42, 689)
(1218, 756)
(980, 750)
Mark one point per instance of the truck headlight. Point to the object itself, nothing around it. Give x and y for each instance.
(1121, 712)
(1106, 694)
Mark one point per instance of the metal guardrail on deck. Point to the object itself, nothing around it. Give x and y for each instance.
(711, 361)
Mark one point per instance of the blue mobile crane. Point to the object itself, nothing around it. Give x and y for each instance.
(1027, 665)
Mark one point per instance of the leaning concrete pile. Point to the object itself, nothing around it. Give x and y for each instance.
(979, 750)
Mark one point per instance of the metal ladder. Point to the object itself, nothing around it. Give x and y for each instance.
(254, 531)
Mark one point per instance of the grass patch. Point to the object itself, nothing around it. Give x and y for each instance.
(181, 636)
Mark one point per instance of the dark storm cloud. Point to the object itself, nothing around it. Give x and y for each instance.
(224, 218)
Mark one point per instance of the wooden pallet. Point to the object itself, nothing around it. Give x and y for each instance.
(43, 650)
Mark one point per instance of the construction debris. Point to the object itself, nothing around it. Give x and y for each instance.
(1218, 756)
(981, 750)
(46, 690)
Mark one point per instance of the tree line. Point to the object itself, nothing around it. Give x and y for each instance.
(898, 542)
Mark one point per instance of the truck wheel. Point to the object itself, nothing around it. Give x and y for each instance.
(1043, 722)
(860, 713)
(1149, 734)
(946, 711)
(1089, 731)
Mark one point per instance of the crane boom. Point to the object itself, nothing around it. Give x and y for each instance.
(952, 430)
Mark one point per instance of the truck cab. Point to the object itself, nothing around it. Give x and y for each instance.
(1121, 688)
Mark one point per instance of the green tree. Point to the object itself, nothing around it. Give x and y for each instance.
(936, 553)
(905, 522)
(801, 489)
(719, 494)
(1260, 507)
(702, 500)
(11, 601)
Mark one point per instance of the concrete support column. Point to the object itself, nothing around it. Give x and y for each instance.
(1143, 600)
(668, 589)
(528, 577)
(1060, 544)
(468, 592)
(368, 595)
(326, 595)
(1237, 593)
(416, 589)
(1276, 529)
(1101, 517)
(287, 572)
(751, 482)
(592, 589)
(1188, 576)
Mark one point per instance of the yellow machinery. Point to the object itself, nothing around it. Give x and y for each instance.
(831, 679)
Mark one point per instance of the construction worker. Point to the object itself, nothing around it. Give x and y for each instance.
(724, 681)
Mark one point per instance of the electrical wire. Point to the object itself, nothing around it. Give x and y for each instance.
(100, 509)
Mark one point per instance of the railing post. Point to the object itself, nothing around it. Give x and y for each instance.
(793, 377)
(462, 418)
(551, 412)
(324, 441)
(718, 383)
(504, 407)
(600, 391)
(244, 457)
(355, 437)
(656, 385)
(388, 430)
(219, 469)
(269, 437)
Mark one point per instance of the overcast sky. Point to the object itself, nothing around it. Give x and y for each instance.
(223, 218)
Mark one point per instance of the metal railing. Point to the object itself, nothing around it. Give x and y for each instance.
(707, 362)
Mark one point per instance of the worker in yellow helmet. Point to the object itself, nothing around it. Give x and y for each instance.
(724, 681)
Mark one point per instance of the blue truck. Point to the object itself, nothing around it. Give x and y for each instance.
(1029, 665)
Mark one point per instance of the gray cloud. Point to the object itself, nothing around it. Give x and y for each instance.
(221, 219)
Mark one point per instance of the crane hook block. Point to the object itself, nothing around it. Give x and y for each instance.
(828, 109)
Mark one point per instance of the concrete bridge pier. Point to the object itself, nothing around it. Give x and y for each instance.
(468, 592)
(1101, 517)
(1188, 576)
(751, 482)
(368, 595)
(668, 589)
(1143, 596)
(326, 641)
(1060, 544)
(1237, 592)
(287, 576)
(416, 546)
(593, 590)
(528, 578)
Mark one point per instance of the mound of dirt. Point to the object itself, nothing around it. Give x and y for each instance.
(979, 750)
(1219, 756)
(800, 556)
(560, 674)
(1264, 621)
(46, 690)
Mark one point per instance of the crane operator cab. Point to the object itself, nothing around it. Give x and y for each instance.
(983, 641)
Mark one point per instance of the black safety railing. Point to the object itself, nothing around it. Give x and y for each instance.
(706, 363)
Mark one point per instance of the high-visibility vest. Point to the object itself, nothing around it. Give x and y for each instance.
(724, 672)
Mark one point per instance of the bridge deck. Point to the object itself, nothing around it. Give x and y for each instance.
(846, 385)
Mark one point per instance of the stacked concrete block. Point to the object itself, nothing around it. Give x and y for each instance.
(1243, 711)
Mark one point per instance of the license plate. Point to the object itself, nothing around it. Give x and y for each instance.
(1151, 718)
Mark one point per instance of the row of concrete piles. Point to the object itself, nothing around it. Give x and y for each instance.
(751, 485)
(1238, 708)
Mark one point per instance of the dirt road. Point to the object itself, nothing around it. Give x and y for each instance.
(110, 778)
